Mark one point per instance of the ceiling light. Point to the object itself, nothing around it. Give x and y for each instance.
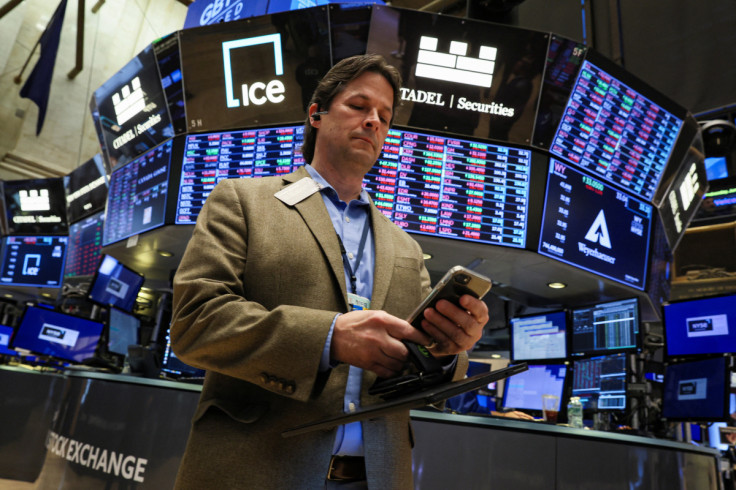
(556, 285)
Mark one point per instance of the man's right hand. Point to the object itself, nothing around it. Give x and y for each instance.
(371, 339)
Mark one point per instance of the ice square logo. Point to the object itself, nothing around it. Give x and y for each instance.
(258, 93)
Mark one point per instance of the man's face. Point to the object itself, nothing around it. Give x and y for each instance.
(353, 131)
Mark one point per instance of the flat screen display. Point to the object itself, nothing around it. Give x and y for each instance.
(85, 246)
(696, 390)
(166, 50)
(6, 333)
(454, 188)
(716, 167)
(254, 72)
(174, 367)
(524, 391)
(115, 284)
(35, 207)
(683, 198)
(209, 158)
(605, 328)
(615, 131)
(719, 203)
(86, 189)
(136, 201)
(539, 337)
(600, 382)
(34, 261)
(46, 332)
(700, 326)
(132, 108)
(590, 225)
(465, 76)
(123, 330)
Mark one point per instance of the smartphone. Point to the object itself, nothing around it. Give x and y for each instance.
(457, 282)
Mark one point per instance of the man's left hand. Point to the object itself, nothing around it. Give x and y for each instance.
(455, 328)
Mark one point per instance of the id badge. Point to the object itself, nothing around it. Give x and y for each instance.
(358, 302)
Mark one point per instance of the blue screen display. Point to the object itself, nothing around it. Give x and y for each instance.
(6, 333)
(115, 284)
(590, 225)
(50, 333)
(524, 390)
(701, 326)
(539, 337)
(36, 261)
(123, 331)
(696, 390)
(716, 168)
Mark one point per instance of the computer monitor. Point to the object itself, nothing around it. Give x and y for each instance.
(700, 326)
(600, 381)
(6, 333)
(123, 330)
(85, 246)
(35, 206)
(697, 390)
(86, 189)
(46, 332)
(539, 337)
(33, 261)
(174, 367)
(605, 328)
(115, 284)
(524, 391)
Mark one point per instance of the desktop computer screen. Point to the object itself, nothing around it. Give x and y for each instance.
(600, 382)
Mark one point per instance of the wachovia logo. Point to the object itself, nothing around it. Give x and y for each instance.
(257, 93)
(455, 66)
(598, 234)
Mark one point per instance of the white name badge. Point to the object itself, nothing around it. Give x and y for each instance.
(298, 191)
(358, 302)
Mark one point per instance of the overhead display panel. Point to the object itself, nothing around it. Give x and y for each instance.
(35, 206)
(166, 50)
(591, 225)
(464, 76)
(133, 112)
(33, 261)
(86, 189)
(453, 188)
(136, 201)
(212, 157)
(254, 72)
(624, 135)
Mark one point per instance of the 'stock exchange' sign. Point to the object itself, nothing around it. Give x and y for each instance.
(254, 72)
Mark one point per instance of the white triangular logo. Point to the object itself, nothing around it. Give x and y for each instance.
(598, 232)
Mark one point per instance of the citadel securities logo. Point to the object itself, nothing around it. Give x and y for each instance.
(129, 102)
(257, 93)
(455, 66)
(34, 200)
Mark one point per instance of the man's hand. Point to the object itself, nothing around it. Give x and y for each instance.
(455, 329)
(372, 339)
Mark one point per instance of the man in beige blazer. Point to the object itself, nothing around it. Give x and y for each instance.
(261, 300)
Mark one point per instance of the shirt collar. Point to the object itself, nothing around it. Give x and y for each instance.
(363, 197)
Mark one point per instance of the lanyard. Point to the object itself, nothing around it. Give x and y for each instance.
(346, 262)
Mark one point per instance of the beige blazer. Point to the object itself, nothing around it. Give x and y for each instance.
(254, 297)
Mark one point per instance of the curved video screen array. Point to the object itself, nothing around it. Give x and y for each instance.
(424, 183)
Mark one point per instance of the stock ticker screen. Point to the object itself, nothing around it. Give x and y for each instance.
(426, 184)
(209, 158)
(591, 225)
(615, 132)
(137, 196)
(85, 246)
(36, 261)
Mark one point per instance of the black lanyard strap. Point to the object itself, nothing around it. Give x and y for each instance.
(346, 262)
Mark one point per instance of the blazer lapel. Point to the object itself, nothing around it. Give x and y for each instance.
(384, 264)
(315, 215)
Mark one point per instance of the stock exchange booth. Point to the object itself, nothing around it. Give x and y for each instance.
(525, 155)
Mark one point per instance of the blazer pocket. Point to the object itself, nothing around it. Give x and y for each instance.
(407, 263)
(245, 414)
